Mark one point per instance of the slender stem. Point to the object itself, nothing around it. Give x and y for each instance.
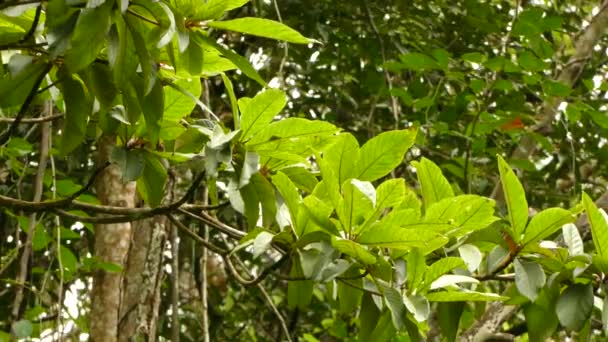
(38, 189)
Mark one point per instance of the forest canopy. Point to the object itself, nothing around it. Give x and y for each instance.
(297, 170)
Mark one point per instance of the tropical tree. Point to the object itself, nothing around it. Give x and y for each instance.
(169, 171)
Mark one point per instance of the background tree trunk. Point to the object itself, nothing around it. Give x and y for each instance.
(111, 245)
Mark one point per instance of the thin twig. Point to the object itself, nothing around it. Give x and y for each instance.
(33, 120)
(38, 189)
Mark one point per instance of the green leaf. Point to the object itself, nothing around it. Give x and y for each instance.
(130, 162)
(529, 62)
(599, 226)
(368, 318)
(541, 323)
(418, 62)
(213, 9)
(241, 62)
(354, 250)
(68, 259)
(88, 37)
(462, 214)
(108, 267)
(152, 106)
(261, 243)
(441, 267)
(147, 63)
(278, 132)
(573, 239)
(515, 198)
(265, 194)
(555, 88)
(381, 154)
(290, 195)
(385, 330)
(416, 268)
(349, 298)
(448, 315)
(529, 278)
(167, 36)
(434, 186)
(177, 104)
(394, 302)
(23, 328)
(260, 111)
(418, 305)
(262, 28)
(341, 157)
(574, 306)
(545, 223)
(299, 293)
(388, 195)
(78, 107)
(464, 296)
(15, 89)
(392, 236)
(358, 202)
(152, 182)
(471, 255)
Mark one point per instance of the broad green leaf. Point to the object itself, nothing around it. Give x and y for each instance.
(342, 156)
(385, 329)
(541, 323)
(471, 255)
(23, 329)
(68, 259)
(555, 88)
(213, 9)
(151, 184)
(259, 191)
(260, 111)
(416, 268)
(236, 117)
(418, 62)
(451, 280)
(241, 62)
(456, 216)
(368, 318)
(391, 236)
(261, 243)
(152, 106)
(464, 296)
(319, 213)
(299, 293)
(251, 205)
(388, 195)
(290, 128)
(529, 278)
(147, 63)
(599, 226)
(78, 107)
(167, 36)
(573, 239)
(441, 267)
(574, 306)
(545, 223)
(357, 204)
(88, 37)
(262, 28)
(394, 302)
(349, 298)
(417, 305)
(353, 249)
(434, 186)
(515, 198)
(290, 195)
(122, 56)
(448, 315)
(15, 87)
(178, 105)
(381, 154)
(301, 177)
(130, 162)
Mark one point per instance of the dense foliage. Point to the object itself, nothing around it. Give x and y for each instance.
(415, 170)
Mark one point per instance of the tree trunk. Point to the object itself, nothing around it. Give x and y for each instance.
(111, 245)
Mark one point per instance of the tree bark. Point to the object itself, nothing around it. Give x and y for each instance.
(143, 277)
(111, 245)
